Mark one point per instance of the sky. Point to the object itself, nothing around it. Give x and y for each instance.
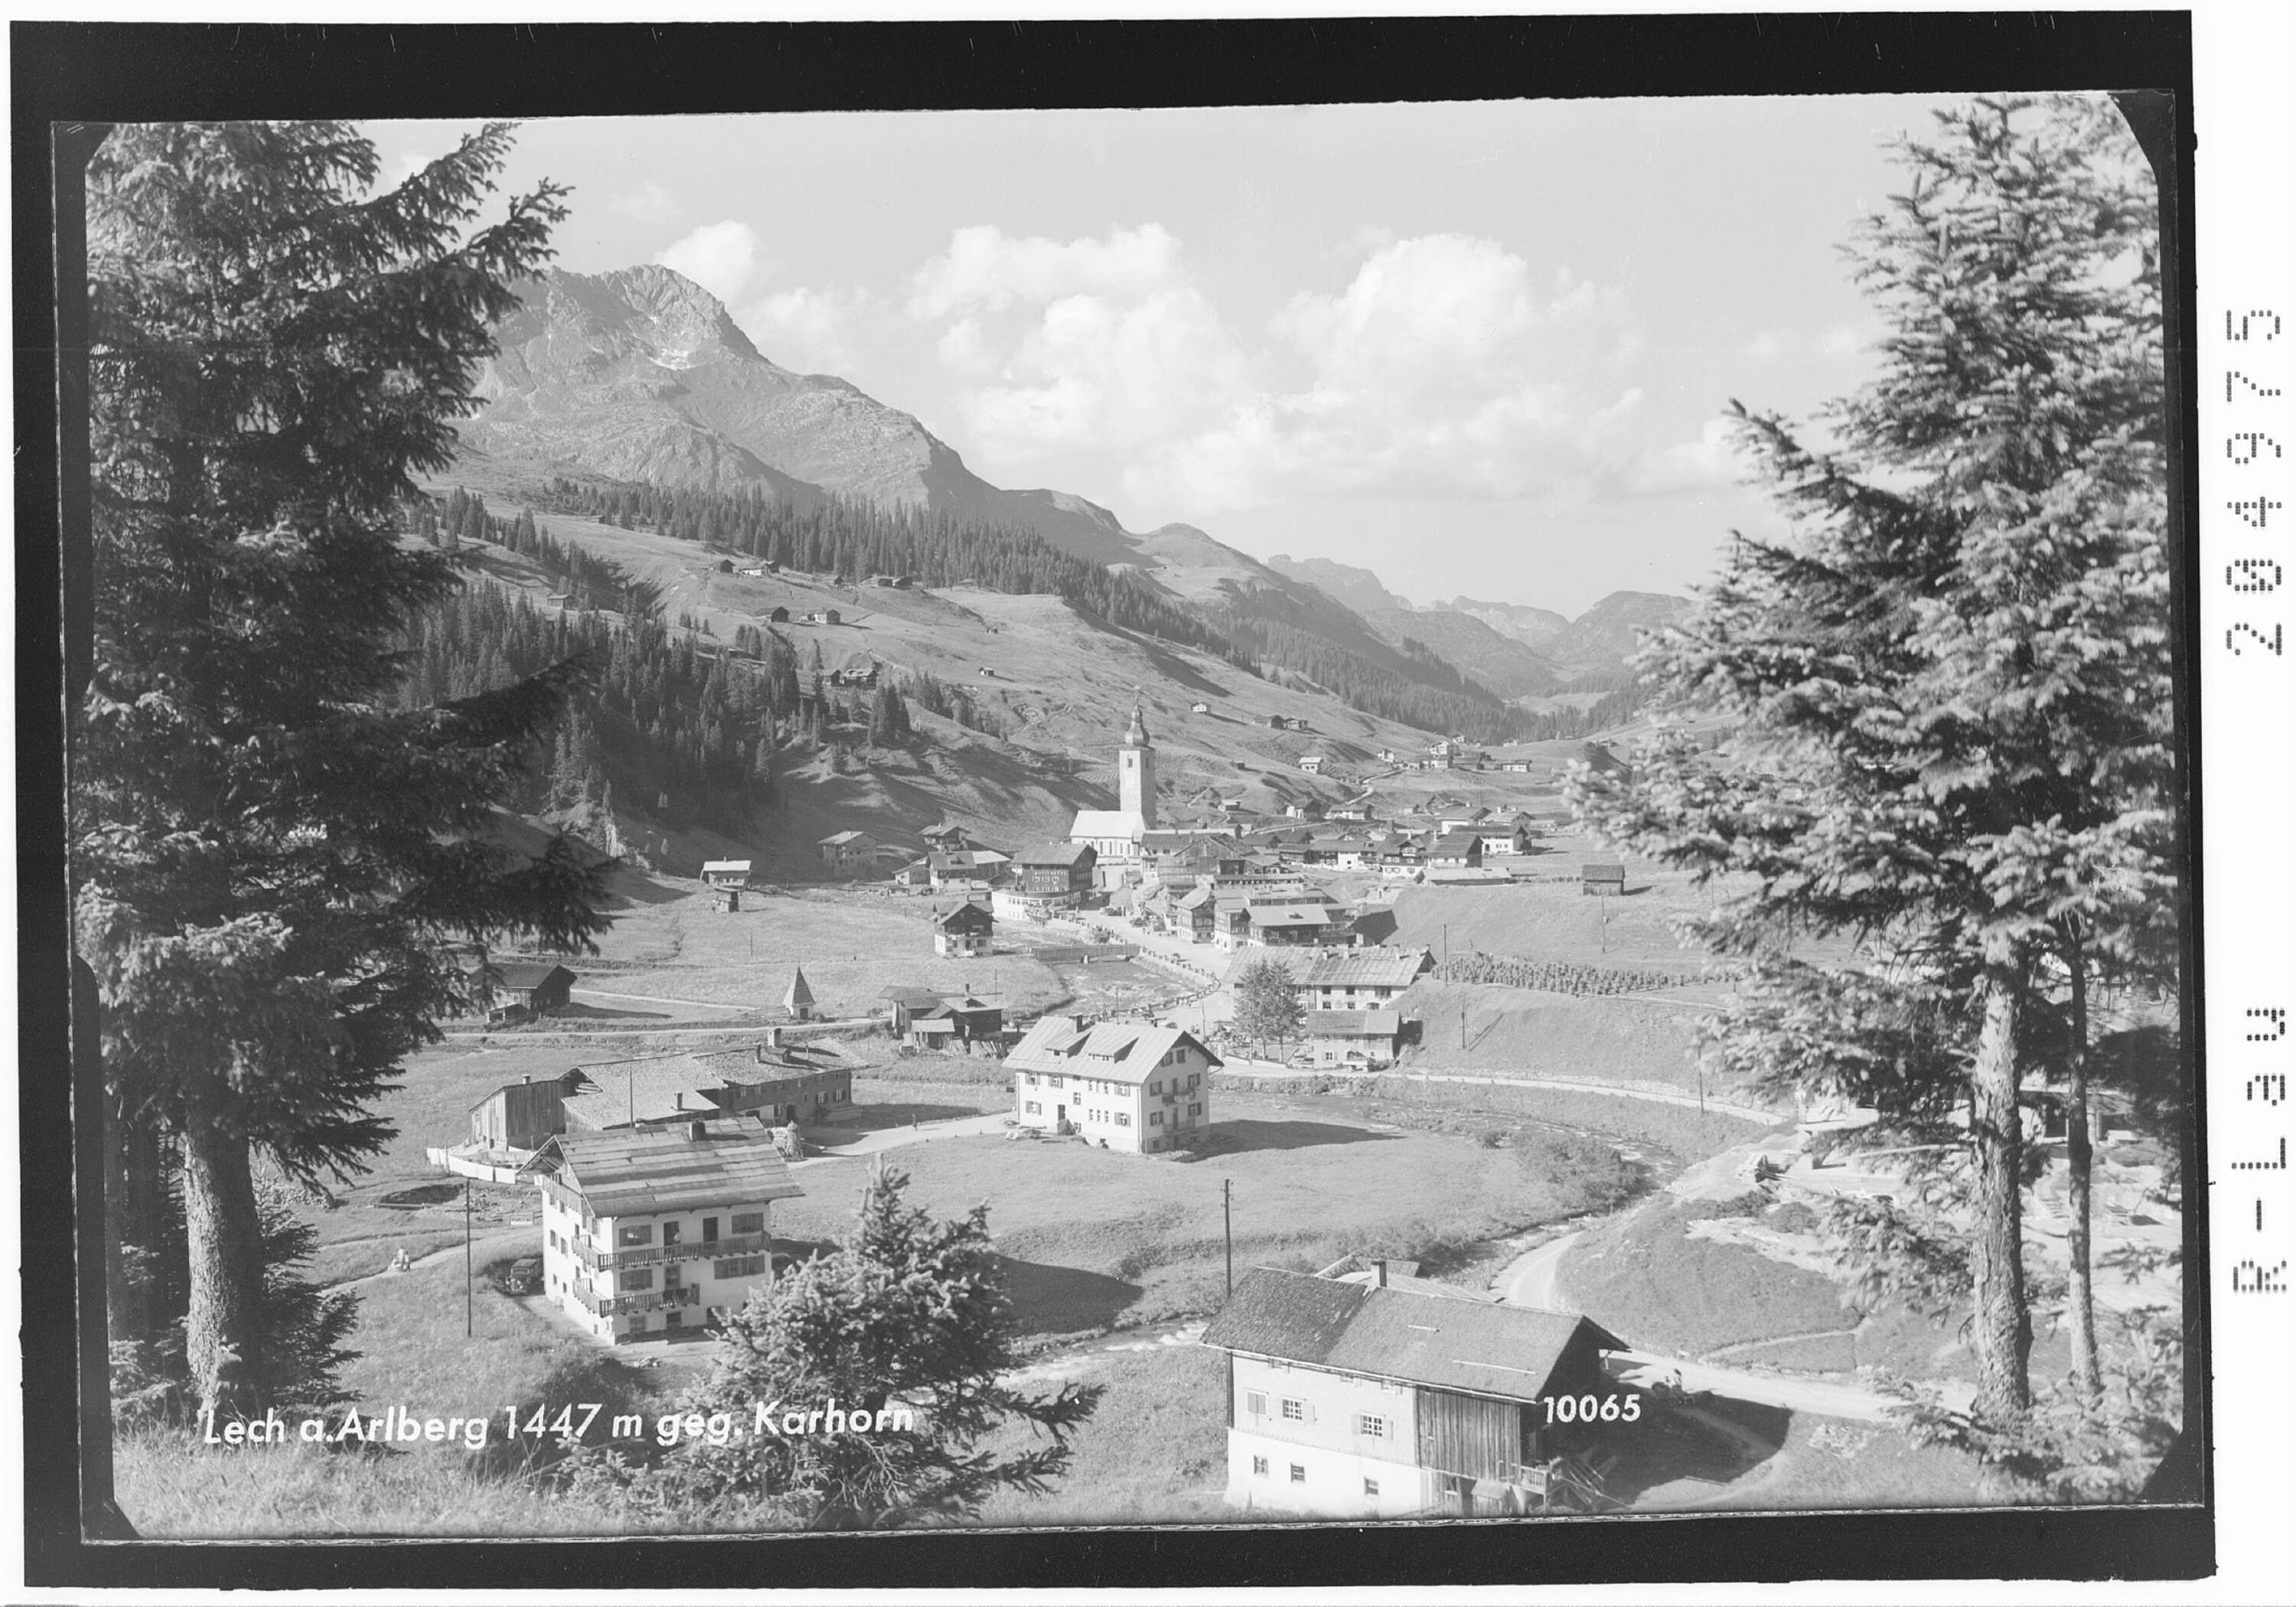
(1481, 349)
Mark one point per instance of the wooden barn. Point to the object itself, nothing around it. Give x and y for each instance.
(533, 987)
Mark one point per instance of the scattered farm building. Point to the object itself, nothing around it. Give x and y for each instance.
(1363, 1040)
(1357, 978)
(649, 1233)
(725, 873)
(780, 614)
(771, 1085)
(1126, 1086)
(1358, 1400)
(1455, 850)
(956, 1024)
(1312, 763)
(966, 932)
(521, 1116)
(1601, 879)
(1057, 870)
(848, 851)
(525, 988)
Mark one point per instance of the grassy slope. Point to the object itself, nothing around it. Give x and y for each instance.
(1097, 1237)
(1661, 1290)
(1155, 1450)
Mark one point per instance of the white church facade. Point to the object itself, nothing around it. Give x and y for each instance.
(1114, 835)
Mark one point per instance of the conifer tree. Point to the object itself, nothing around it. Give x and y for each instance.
(266, 857)
(1951, 688)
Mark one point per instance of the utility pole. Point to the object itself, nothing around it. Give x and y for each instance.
(1228, 1227)
(469, 1300)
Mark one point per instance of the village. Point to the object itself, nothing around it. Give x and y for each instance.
(1406, 1327)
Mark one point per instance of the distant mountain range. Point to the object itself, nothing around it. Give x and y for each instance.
(640, 376)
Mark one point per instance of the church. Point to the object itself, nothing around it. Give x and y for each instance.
(1114, 835)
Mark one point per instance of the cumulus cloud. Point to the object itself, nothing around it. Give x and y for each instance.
(1709, 460)
(1444, 366)
(812, 330)
(986, 269)
(721, 257)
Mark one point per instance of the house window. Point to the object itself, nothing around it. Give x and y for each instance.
(1155, 1119)
(642, 1278)
(1259, 1466)
(1194, 1078)
(1196, 1109)
(1370, 1426)
(1255, 1403)
(643, 1234)
(1032, 1080)
(1157, 1086)
(1057, 1082)
(749, 1222)
(1295, 1411)
(1124, 1119)
(1371, 1488)
(740, 1267)
(1298, 1474)
(1034, 1109)
(709, 1230)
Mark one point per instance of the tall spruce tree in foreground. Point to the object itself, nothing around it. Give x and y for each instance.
(1951, 687)
(266, 857)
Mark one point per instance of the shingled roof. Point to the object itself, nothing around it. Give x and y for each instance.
(1363, 968)
(1118, 1051)
(645, 1173)
(1506, 1351)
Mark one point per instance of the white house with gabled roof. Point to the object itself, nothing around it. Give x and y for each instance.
(1129, 1086)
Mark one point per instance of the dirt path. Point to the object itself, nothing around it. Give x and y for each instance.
(1642, 1370)
(1531, 1281)
(655, 998)
(484, 1247)
(892, 1138)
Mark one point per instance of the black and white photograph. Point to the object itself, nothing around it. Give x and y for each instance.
(1380, 816)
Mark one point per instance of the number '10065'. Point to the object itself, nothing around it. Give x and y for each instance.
(1591, 1409)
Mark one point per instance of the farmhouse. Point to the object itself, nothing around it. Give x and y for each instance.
(531, 987)
(1057, 870)
(1357, 978)
(956, 1024)
(824, 616)
(1126, 1086)
(1455, 851)
(1603, 879)
(1364, 1040)
(949, 838)
(521, 1116)
(1312, 763)
(847, 850)
(1349, 1399)
(766, 1083)
(1460, 820)
(780, 614)
(1501, 836)
(648, 1232)
(964, 932)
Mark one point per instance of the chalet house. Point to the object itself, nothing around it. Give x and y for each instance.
(824, 616)
(956, 1024)
(524, 989)
(1312, 763)
(647, 1233)
(1126, 1086)
(1360, 1040)
(1603, 879)
(1501, 836)
(1351, 853)
(855, 675)
(1199, 709)
(1231, 926)
(1357, 978)
(964, 932)
(522, 1116)
(907, 1002)
(1057, 870)
(1358, 1400)
(1355, 808)
(1460, 820)
(849, 851)
(948, 839)
(733, 875)
(1386, 756)
(1292, 924)
(1455, 850)
(916, 874)
(1192, 914)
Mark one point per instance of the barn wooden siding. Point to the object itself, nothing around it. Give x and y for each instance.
(1469, 1435)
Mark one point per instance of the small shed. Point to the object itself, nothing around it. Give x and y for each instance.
(798, 1002)
(725, 873)
(780, 615)
(1603, 880)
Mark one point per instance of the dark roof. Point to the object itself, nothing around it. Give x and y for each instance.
(964, 916)
(1056, 853)
(1605, 873)
(1507, 1351)
(1363, 967)
(915, 996)
(529, 973)
(1456, 842)
(625, 1174)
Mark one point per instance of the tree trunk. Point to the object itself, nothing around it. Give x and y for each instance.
(2086, 1375)
(2003, 1329)
(224, 1340)
(134, 1198)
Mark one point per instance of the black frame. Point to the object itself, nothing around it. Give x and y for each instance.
(69, 79)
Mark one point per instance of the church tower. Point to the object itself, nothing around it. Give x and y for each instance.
(1135, 773)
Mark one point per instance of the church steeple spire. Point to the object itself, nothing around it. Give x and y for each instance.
(1135, 734)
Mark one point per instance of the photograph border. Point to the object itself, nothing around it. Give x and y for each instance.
(69, 79)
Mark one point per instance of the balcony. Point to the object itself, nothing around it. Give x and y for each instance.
(648, 1255)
